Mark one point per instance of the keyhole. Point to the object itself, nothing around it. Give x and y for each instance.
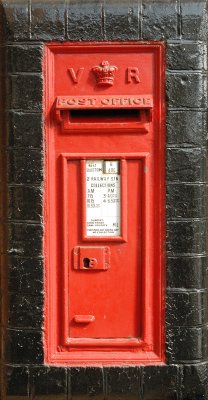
(86, 262)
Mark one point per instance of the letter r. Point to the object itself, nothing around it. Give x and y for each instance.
(133, 74)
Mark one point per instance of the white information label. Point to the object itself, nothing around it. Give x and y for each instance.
(103, 198)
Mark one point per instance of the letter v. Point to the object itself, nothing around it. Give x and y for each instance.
(76, 76)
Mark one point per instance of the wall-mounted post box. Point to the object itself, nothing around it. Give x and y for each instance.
(104, 203)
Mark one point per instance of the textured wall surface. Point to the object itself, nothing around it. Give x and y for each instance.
(25, 26)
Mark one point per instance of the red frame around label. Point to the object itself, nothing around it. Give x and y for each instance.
(123, 217)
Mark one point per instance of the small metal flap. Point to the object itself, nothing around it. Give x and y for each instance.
(91, 258)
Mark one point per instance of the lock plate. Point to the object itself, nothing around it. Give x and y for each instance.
(91, 258)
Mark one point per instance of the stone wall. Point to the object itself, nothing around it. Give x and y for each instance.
(26, 26)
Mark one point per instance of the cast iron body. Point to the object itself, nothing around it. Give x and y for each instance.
(25, 26)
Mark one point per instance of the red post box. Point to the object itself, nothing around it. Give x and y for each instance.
(104, 203)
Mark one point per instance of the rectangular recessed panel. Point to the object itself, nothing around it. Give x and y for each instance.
(104, 211)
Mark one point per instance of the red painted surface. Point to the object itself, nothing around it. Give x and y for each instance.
(104, 294)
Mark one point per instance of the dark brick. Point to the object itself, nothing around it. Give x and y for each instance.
(24, 130)
(25, 311)
(50, 381)
(186, 201)
(186, 90)
(2, 27)
(16, 20)
(17, 379)
(159, 20)
(187, 272)
(25, 166)
(187, 56)
(25, 239)
(194, 19)
(160, 383)
(185, 237)
(25, 275)
(186, 165)
(84, 20)
(24, 58)
(186, 128)
(123, 383)
(187, 344)
(195, 382)
(121, 20)
(3, 238)
(25, 203)
(86, 383)
(23, 347)
(186, 308)
(3, 157)
(25, 92)
(3, 191)
(48, 20)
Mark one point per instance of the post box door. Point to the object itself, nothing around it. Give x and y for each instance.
(104, 275)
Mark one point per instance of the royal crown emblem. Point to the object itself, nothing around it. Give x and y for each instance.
(105, 73)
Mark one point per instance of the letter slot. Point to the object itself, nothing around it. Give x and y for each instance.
(104, 112)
